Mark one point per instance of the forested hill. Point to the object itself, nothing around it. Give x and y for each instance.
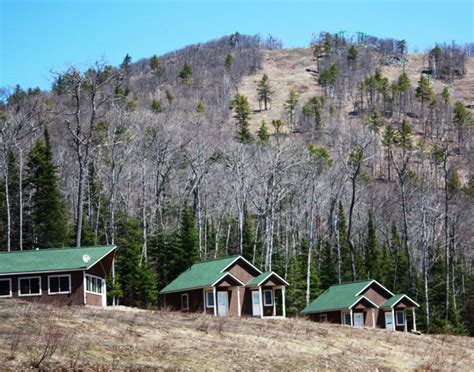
(341, 161)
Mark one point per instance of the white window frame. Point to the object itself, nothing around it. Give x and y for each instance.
(187, 301)
(30, 294)
(101, 285)
(60, 292)
(10, 281)
(323, 318)
(396, 317)
(207, 299)
(343, 316)
(265, 303)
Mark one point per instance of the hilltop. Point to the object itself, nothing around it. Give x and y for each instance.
(121, 338)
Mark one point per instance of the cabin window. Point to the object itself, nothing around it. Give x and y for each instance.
(268, 297)
(400, 317)
(59, 284)
(5, 288)
(29, 286)
(93, 284)
(323, 318)
(184, 302)
(209, 299)
(347, 318)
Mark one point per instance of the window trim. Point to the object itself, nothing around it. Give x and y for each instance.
(11, 292)
(187, 301)
(343, 315)
(325, 316)
(396, 317)
(207, 300)
(265, 297)
(60, 292)
(101, 285)
(30, 294)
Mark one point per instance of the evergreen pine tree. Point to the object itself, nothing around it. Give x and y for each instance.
(346, 273)
(328, 274)
(264, 91)
(241, 109)
(400, 282)
(156, 106)
(46, 211)
(371, 250)
(155, 65)
(136, 278)
(263, 134)
(185, 73)
(185, 251)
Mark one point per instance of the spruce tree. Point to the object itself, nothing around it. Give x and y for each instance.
(136, 278)
(155, 65)
(185, 251)
(290, 106)
(264, 91)
(241, 107)
(263, 134)
(47, 214)
(423, 91)
(346, 273)
(328, 274)
(185, 73)
(156, 106)
(371, 250)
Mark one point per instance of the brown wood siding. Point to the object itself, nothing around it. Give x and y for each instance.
(242, 271)
(76, 297)
(172, 301)
(376, 294)
(332, 317)
(93, 299)
(103, 268)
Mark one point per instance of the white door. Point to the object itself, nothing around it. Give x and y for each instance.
(255, 303)
(358, 319)
(388, 321)
(222, 303)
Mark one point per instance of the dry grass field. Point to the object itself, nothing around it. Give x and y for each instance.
(288, 69)
(46, 337)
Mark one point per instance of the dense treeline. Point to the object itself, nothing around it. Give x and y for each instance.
(369, 179)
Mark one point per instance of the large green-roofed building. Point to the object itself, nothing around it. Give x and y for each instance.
(57, 275)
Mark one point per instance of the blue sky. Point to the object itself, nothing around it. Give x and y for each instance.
(37, 36)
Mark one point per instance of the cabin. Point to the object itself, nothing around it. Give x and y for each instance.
(227, 286)
(62, 276)
(364, 303)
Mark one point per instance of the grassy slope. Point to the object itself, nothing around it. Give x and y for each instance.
(286, 69)
(120, 338)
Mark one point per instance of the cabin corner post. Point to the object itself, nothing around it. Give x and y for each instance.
(393, 319)
(283, 290)
(214, 290)
(204, 305)
(274, 302)
(260, 299)
(351, 315)
(239, 308)
(84, 285)
(414, 319)
(373, 318)
(113, 280)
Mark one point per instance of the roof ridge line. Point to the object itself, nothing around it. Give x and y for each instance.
(216, 259)
(56, 249)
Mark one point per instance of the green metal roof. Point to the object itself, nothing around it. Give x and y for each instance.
(336, 297)
(394, 299)
(258, 279)
(52, 259)
(199, 275)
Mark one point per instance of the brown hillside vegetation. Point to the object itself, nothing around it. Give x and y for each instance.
(82, 338)
(295, 69)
